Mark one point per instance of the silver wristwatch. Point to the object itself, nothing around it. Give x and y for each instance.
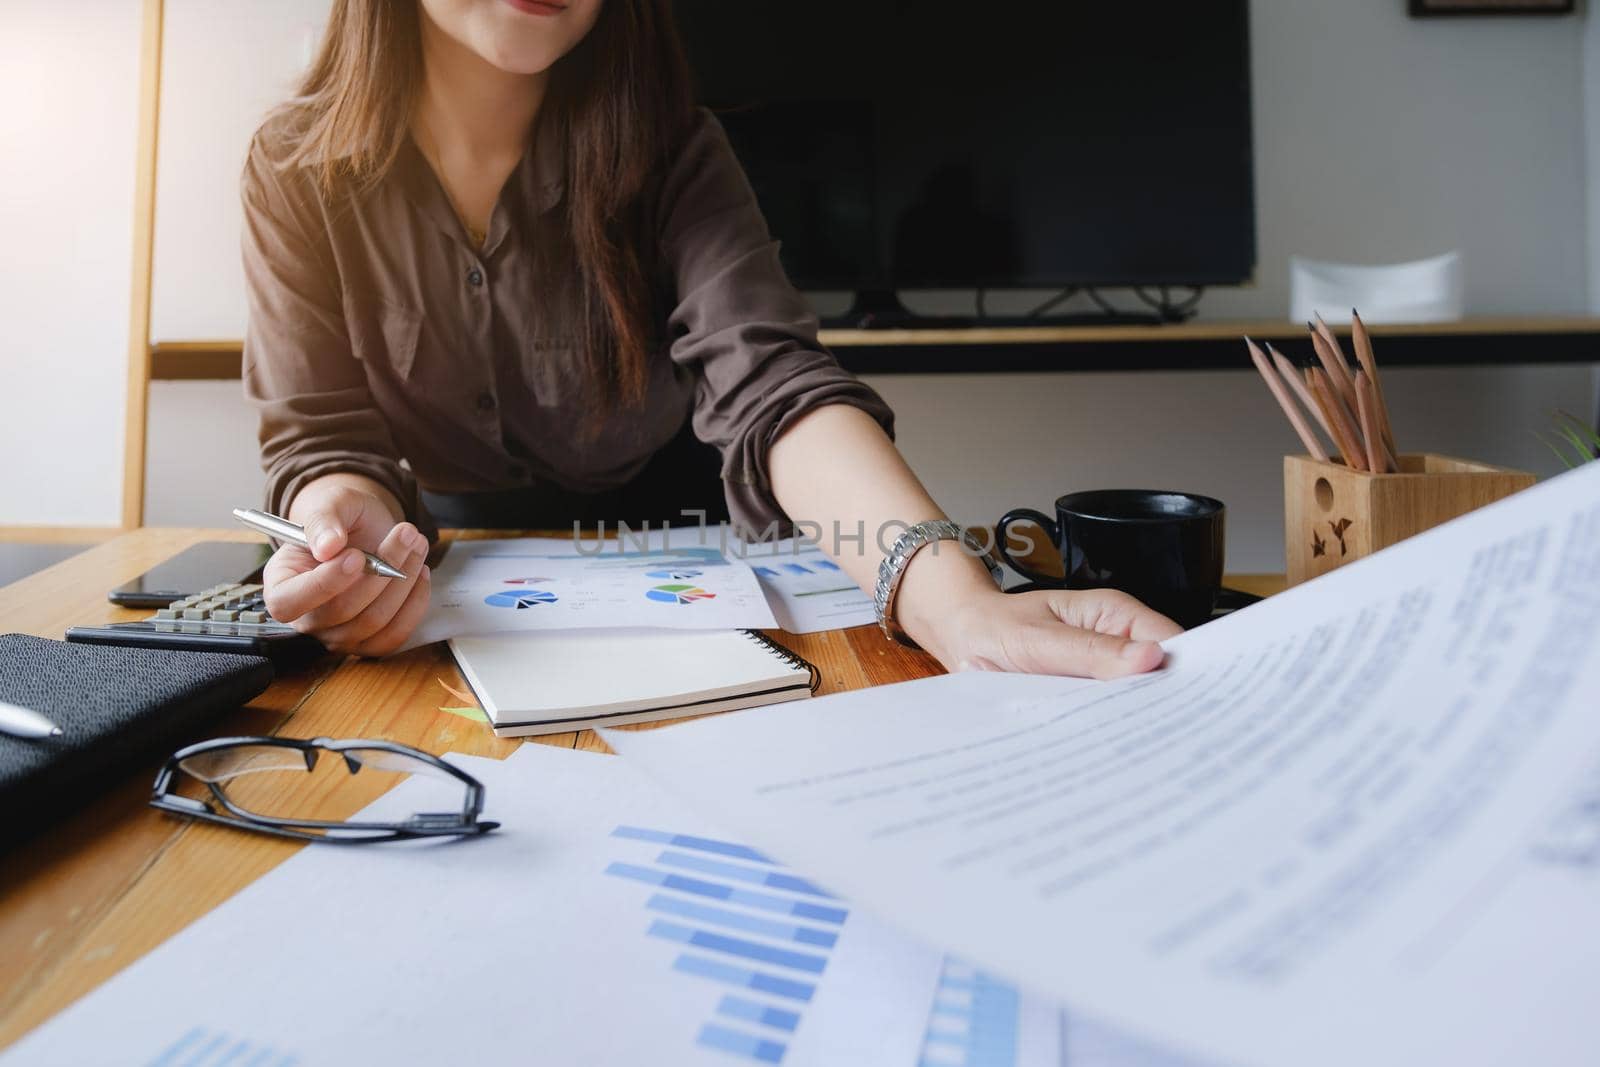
(908, 544)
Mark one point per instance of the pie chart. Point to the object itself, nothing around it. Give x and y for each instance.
(519, 599)
(672, 575)
(678, 593)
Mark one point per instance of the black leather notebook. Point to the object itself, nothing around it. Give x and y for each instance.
(117, 708)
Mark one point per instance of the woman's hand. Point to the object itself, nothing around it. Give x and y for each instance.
(949, 606)
(1096, 633)
(326, 592)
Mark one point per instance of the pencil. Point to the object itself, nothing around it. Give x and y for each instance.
(1332, 357)
(1292, 376)
(1285, 401)
(1362, 342)
(1321, 328)
(1344, 433)
(1367, 405)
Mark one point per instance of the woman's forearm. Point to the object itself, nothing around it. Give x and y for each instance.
(838, 469)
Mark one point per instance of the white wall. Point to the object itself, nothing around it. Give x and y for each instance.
(69, 77)
(202, 455)
(1381, 137)
(225, 63)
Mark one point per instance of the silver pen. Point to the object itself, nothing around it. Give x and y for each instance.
(294, 533)
(25, 722)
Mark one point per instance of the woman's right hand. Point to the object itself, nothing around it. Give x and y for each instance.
(325, 591)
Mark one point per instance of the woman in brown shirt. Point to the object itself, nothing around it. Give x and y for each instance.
(501, 272)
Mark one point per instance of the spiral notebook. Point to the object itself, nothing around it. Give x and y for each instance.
(547, 683)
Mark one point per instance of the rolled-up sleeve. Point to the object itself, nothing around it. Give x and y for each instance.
(317, 416)
(747, 335)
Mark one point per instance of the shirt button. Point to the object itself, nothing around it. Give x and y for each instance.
(474, 277)
(486, 401)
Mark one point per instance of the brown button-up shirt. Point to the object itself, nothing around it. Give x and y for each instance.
(382, 341)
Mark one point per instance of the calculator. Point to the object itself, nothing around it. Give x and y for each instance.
(231, 617)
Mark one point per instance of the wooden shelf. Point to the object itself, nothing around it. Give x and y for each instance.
(1179, 346)
(188, 360)
(1218, 330)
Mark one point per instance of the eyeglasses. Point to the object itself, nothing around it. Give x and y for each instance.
(279, 768)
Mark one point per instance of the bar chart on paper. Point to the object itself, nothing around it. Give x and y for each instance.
(817, 576)
(974, 1022)
(202, 1047)
(759, 938)
(807, 590)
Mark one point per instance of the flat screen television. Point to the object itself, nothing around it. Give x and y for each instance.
(906, 144)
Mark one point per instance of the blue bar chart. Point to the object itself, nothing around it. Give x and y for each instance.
(806, 572)
(202, 1047)
(975, 1020)
(754, 935)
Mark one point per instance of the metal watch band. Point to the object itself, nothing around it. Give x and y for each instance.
(907, 545)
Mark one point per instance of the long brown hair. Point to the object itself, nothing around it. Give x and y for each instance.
(620, 100)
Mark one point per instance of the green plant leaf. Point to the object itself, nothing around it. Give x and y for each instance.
(1551, 445)
(1590, 436)
(1579, 447)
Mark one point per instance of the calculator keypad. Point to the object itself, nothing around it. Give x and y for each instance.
(231, 608)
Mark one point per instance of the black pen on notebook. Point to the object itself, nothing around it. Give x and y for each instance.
(294, 533)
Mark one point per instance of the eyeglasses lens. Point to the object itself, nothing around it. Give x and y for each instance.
(273, 783)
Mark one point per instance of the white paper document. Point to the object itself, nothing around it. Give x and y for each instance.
(1356, 823)
(807, 590)
(601, 924)
(544, 583)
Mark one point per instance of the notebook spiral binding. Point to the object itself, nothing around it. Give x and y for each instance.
(788, 657)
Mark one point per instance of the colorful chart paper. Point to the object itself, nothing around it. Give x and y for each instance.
(484, 587)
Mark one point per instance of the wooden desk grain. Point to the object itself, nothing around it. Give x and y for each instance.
(109, 883)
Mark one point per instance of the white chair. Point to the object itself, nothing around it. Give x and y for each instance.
(1423, 290)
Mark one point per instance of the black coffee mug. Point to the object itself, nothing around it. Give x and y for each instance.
(1164, 548)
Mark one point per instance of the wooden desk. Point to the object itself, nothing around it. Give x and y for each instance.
(91, 895)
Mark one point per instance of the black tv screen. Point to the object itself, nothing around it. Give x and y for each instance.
(901, 144)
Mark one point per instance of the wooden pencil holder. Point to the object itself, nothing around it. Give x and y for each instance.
(1332, 514)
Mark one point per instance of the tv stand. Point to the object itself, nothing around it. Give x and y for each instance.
(1079, 318)
(881, 309)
